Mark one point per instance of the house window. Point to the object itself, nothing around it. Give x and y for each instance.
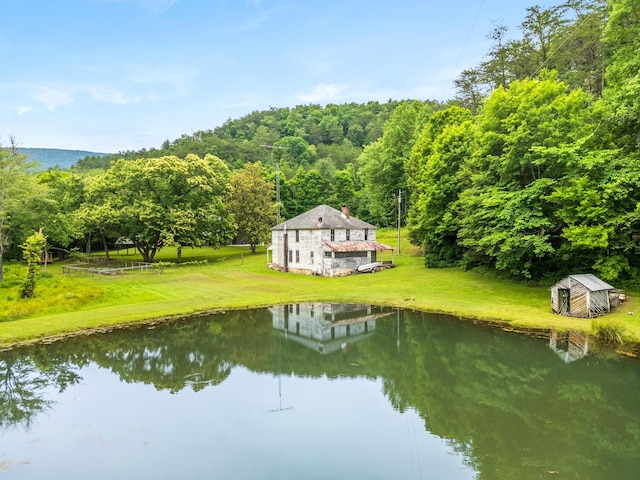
(327, 254)
(366, 234)
(348, 234)
(290, 256)
(351, 254)
(297, 235)
(297, 256)
(311, 257)
(333, 235)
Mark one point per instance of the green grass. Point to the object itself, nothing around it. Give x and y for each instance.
(232, 278)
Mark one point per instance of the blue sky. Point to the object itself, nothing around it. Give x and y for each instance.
(114, 75)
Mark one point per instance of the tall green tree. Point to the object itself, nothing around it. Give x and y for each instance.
(382, 162)
(252, 204)
(168, 201)
(564, 37)
(308, 189)
(32, 248)
(344, 189)
(62, 222)
(623, 72)
(505, 220)
(16, 185)
(434, 180)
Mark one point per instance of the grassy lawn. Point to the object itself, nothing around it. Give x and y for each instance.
(232, 278)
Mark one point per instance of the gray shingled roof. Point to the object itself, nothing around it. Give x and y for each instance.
(331, 218)
(592, 282)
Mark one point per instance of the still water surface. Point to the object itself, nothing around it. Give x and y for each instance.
(319, 391)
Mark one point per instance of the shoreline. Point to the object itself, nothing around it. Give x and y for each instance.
(228, 279)
(628, 349)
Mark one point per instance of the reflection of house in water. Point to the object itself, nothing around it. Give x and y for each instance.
(325, 327)
(569, 346)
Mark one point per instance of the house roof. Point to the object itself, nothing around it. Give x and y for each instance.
(323, 216)
(356, 246)
(592, 282)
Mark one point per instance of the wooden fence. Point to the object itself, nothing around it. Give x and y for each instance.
(85, 270)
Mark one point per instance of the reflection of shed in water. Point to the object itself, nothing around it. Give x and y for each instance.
(569, 346)
(581, 296)
(325, 327)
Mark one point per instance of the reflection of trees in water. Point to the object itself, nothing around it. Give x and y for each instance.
(193, 353)
(511, 409)
(506, 402)
(23, 382)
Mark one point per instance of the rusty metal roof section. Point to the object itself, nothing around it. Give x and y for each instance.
(356, 246)
(323, 216)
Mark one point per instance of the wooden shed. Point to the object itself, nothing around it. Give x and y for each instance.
(583, 295)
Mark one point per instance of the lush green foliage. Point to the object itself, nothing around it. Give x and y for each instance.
(432, 176)
(18, 192)
(545, 179)
(565, 37)
(232, 279)
(165, 200)
(611, 331)
(301, 142)
(250, 201)
(537, 177)
(32, 249)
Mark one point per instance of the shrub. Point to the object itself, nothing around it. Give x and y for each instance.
(610, 331)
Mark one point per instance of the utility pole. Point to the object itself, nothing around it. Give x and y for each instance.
(399, 214)
(271, 147)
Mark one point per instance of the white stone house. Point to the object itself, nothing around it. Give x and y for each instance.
(325, 241)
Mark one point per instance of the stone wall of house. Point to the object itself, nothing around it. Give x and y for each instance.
(305, 251)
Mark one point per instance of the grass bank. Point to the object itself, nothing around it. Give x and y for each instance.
(231, 278)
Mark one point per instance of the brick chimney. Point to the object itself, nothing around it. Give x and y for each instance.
(346, 211)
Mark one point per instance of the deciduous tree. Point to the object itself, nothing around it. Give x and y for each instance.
(169, 201)
(252, 205)
(15, 187)
(505, 220)
(33, 248)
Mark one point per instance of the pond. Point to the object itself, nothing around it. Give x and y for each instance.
(319, 391)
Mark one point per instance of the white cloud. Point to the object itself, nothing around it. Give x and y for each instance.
(53, 98)
(106, 95)
(23, 110)
(323, 92)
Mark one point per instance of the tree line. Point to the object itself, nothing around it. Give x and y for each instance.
(531, 170)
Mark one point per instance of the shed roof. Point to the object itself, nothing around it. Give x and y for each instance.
(356, 246)
(331, 218)
(592, 282)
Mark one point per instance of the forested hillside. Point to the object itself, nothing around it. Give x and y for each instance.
(533, 170)
(316, 150)
(55, 157)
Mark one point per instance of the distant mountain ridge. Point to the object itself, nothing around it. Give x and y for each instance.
(52, 157)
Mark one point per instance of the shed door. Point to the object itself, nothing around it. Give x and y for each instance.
(564, 300)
